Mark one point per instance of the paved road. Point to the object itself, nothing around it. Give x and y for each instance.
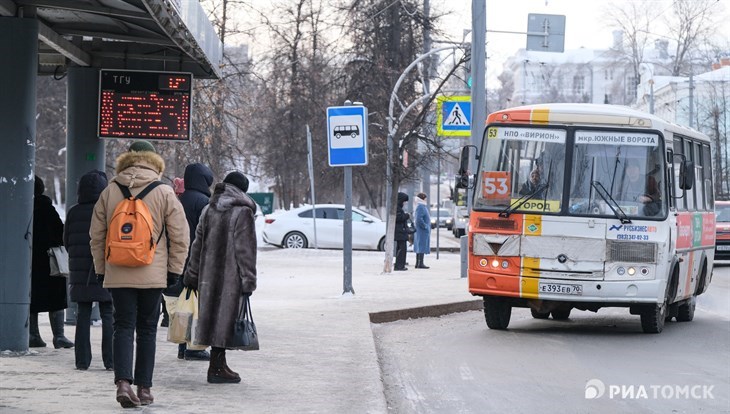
(455, 364)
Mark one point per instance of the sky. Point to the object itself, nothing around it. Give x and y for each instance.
(584, 24)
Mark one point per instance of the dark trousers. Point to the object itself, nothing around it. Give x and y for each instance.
(135, 309)
(83, 334)
(400, 254)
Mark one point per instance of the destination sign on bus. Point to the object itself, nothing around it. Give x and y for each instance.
(616, 138)
(527, 134)
(149, 105)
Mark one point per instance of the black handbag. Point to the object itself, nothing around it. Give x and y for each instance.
(245, 336)
(410, 227)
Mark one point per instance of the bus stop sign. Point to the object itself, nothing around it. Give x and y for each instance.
(347, 135)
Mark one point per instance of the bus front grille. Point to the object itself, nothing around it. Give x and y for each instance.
(499, 224)
(631, 252)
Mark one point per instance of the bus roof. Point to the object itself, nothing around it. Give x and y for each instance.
(587, 114)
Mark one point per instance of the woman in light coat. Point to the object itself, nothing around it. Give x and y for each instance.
(422, 239)
(222, 268)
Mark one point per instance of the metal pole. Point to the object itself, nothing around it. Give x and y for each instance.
(691, 100)
(479, 86)
(651, 96)
(347, 234)
(19, 43)
(347, 231)
(311, 185)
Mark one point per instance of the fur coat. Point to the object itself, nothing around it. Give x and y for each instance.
(222, 263)
(422, 238)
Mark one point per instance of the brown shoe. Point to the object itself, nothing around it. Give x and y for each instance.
(145, 396)
(125, 395)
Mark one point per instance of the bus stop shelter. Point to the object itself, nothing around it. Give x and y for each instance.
(76, 38)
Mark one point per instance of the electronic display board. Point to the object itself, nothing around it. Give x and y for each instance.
(146, 105)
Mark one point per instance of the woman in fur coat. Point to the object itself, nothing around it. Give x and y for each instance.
(222, 268)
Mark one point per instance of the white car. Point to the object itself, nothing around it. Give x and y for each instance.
(294, 229)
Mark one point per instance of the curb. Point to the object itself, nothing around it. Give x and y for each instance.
(432, 311)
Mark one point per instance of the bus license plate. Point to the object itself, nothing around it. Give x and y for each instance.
(723, 248)
(560, 288)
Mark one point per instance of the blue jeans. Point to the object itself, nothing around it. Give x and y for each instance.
(82, 341)
(135, 309)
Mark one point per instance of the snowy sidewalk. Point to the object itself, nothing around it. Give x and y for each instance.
(317, 350)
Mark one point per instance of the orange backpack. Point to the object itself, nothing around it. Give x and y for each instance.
(129, 239)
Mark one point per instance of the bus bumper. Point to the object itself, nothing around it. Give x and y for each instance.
(592, 291)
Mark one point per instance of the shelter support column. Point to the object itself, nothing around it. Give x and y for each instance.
(19, 46)
(84, 149)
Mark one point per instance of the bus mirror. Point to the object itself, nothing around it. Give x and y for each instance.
(464, 158)
(686, 175)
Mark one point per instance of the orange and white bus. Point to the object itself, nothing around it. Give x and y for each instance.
(581, 206)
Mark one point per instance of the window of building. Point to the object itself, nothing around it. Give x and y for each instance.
(579, 84)
(631, 86)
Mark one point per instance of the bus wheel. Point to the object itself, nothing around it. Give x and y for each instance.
(652, 320)
(686, 311)
(539, 315)
(497, 312)
(561, 314)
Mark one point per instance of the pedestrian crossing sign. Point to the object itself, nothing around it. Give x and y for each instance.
(454, 116)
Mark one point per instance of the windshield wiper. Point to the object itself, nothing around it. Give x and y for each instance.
(522, 200)
(606, 196)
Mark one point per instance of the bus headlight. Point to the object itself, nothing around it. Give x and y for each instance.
(631, 271)
(495, 263)
(621, 271)
(505, 264)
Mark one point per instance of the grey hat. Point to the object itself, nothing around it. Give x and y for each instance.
(141, 145)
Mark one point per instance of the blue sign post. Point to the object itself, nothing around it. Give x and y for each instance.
(347, 135)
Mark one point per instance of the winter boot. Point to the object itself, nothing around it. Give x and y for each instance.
(34, 338)
(59, 340)
(145, 395)
(419, 262)
(125, 395)
(218, 371)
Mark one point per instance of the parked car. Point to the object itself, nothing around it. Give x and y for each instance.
(294, 229)
(460, 218)
(722, 230)
(441, 217)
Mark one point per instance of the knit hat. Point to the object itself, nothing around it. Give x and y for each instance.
(237, 179)
(178, 184)
(142, 145)
(39, 187)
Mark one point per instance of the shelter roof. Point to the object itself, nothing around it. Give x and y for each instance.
(164, 35)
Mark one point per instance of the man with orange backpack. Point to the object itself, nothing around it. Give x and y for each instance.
(139, 241)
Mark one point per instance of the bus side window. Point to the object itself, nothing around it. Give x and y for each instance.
(690, 193)
(699, 168)
(708, 179)
(678, 149)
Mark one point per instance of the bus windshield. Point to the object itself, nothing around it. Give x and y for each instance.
(617, 173)
(522, 169)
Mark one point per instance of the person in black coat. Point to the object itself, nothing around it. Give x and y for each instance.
(197, 180)
(48, 293)
(85, 289)
(401, 233)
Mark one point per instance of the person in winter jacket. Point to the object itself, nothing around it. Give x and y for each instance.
(136, 291)
(222, 267)
(84, 288)
(198, 179)
(422, 239)
(48, 293)
(401, 232)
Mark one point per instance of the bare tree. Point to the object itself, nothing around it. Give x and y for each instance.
(691, 22)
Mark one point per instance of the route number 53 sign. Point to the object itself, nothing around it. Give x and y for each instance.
(496, 185)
